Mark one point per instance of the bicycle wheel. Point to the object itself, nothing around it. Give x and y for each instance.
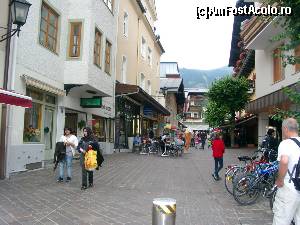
(230, 177)
(245, 190)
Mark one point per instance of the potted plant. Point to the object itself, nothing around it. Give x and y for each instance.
(81, 124)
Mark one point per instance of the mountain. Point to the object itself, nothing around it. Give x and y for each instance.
(193, 78)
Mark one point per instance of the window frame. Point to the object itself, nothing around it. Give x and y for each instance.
(143, 48)
(97, 57)
(71, 44)
(149, 56)
(108, 58)
(124, 69)
(50, 11)
(297, 54)
(278, 69)
(125, 24)
(143, 81)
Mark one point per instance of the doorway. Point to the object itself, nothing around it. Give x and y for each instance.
(49, 132)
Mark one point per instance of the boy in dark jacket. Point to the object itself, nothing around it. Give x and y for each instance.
(218, 149)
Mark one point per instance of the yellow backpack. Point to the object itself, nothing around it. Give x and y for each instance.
(90, 159)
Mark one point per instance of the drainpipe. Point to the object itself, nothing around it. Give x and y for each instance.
(11, 86)
(3, 147)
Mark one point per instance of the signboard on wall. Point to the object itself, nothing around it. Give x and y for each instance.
(148, 111)
(95, 102)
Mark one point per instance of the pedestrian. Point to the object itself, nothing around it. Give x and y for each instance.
(70, 142)
(287, 200)
(218, 149)
(83, 146)
(270, 145)
(187, 136)
(203, 136)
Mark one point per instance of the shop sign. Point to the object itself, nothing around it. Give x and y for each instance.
(148, 111)
(95, 102)
(107, 108)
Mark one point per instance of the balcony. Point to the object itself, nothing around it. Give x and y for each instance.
(258, 32)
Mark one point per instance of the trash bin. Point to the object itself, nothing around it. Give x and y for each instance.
(164, 211)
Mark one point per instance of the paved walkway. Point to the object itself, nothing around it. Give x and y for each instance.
(123, 193)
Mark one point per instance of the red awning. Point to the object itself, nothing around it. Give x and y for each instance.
(12, 98)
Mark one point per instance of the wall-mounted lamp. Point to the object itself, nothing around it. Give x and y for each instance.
(164, 91)
(19, 12)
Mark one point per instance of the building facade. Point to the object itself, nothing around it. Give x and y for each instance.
(137, 72)
(65, 61)
(195, 105)
(269, 74)
(172, 93)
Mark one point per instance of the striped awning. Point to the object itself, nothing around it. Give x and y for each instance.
(12, 98)
(30, 81)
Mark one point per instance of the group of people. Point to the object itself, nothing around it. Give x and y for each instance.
(67, 146)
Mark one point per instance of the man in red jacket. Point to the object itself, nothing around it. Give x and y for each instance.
(218, 149)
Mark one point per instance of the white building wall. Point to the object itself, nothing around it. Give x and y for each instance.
(55, 69)
(264, 74)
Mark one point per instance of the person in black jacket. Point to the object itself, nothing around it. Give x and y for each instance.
(86, 140)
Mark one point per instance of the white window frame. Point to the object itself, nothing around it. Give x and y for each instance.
(143, 47)
(150, 56)
(125, 24)
(124, 69)
(149, 87)
(143, 82)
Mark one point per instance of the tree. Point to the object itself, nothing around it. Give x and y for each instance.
(227, 96)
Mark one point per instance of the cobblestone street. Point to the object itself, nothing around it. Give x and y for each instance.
(123, 193)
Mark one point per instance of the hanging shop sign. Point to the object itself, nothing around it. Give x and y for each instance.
(148, 111)
(95, 102)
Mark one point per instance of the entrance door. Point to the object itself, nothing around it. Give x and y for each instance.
(71, 121)
(49, 132)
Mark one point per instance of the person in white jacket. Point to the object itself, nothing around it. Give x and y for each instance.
(71, 143)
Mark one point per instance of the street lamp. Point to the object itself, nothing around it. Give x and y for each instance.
(19, 12)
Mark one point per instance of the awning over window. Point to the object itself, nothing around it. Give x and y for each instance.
(30, 81)
(12, 98)
(139, 95)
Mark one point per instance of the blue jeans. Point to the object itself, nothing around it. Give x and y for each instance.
(218, 165)
(68, 161)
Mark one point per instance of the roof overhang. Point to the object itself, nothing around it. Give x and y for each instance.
(262, 38)
(139, 95)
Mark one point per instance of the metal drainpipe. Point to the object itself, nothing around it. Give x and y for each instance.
(4, 106)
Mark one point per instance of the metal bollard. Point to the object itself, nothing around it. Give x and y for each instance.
(164, 211)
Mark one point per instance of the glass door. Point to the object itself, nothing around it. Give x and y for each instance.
(49, 132)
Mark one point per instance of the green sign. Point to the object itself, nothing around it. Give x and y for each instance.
(95, 102)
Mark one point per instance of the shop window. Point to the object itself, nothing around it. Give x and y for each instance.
(33, 123)
(50, 99)
(111, 131)
(35, 95)
(99, 128)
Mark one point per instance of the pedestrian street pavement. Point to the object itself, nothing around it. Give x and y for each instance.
(123, 191)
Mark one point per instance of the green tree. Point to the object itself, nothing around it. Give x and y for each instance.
(227, 96)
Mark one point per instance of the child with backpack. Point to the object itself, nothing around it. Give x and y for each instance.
(88, 148)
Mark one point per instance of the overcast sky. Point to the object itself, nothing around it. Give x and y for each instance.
(193, 43)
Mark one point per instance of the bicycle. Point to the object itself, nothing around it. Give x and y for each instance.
(251, 185)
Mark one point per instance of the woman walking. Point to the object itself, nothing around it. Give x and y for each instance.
(218, 149)
(83, 146)
(70, 141)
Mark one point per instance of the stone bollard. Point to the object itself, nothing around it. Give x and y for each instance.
(164, 211)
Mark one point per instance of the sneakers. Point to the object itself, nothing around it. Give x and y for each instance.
(68, 179)
(91, 185)
(83, 187)
(216, 177)
(60, 179)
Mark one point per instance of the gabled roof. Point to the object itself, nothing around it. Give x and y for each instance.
(172, 84)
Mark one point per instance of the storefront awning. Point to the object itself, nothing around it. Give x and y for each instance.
(139, 95)
(12, 98)
(30, 81)
(197, 126)
(269, 102)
